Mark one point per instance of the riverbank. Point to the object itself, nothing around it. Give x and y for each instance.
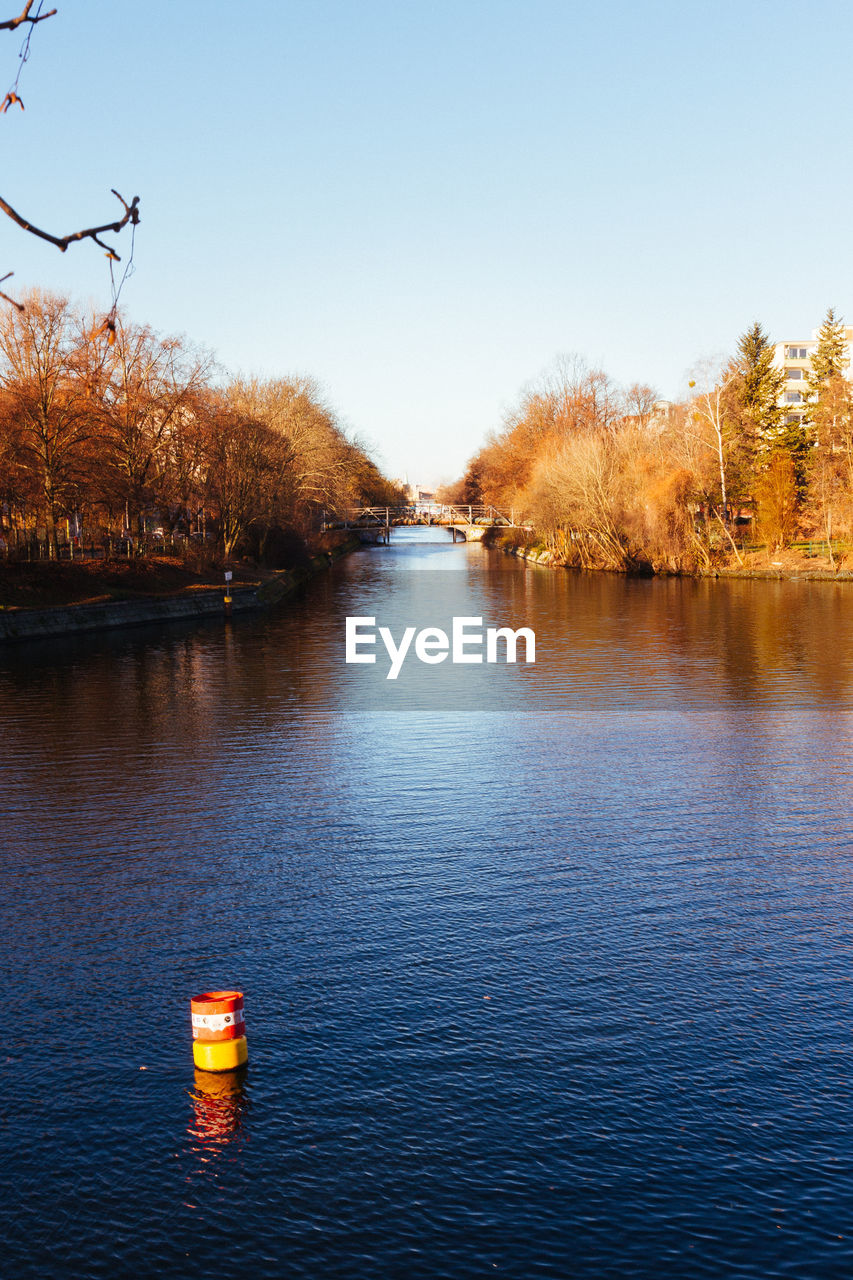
(104, 595)
(787, 565)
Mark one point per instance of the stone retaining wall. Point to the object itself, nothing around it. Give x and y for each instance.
(28, 624)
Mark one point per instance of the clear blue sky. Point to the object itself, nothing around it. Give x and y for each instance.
(422, 204)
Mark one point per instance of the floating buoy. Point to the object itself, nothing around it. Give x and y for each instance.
(219, 1031)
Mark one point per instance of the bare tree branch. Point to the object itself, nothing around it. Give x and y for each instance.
(131, 211)
(20, 306)
(11, 23)
(131, 215)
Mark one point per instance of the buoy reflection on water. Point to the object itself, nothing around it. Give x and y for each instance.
(219, 1108)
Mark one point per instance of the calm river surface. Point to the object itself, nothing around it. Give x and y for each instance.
(547, 968)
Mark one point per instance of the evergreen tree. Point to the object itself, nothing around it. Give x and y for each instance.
(830, 417)
(759, 387)
(829, 359)
(827, 396)
(754, 410)
(793, 441)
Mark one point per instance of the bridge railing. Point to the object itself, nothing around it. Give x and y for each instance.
(426, 513)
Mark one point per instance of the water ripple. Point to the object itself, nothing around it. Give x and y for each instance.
(547, 973)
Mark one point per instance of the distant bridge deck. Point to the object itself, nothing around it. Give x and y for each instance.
(449, 515)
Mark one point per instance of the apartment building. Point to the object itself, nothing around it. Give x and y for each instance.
(794, 356)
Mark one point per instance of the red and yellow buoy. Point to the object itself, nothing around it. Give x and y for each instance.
(219, 1031)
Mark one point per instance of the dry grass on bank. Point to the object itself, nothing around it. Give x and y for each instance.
(794, 560)
(43, 583)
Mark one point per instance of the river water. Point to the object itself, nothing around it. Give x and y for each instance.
(547, 966)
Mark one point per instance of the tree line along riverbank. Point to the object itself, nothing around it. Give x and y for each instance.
(725, 480)
(807, 563)
(133, 469)
(134, 442)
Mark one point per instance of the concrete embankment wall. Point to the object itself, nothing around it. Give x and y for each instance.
(74, 619)
(28, 624)
(535, 555)
(535, 552)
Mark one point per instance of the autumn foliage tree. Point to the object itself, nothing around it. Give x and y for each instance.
(142, 386)
(46, 404)
(617, 479)
(137, 434)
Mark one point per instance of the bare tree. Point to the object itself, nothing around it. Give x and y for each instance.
(640, 401)
(19, 494)
(829, 465)
(776, 498)
(140, 390)
(581, 398)
(577, 489)
(243, 465)
(709, 408)
(40, 355)
(320, 466)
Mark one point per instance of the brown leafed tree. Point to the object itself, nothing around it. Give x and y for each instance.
(19, 495)
(776, 497)
(244, 469)
(142, 388)
(830, 495)
(46, 399)
(320, 467)
(640, 401)
(571, 400)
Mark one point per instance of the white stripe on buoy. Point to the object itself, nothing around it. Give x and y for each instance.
(218, 1021)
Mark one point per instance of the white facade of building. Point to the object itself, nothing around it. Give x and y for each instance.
(794, 356)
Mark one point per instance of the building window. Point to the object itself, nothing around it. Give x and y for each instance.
(793, 397)
(795, 353)
(793, 419)
(793, 374)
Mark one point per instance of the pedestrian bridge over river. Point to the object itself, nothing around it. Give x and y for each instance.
(374, 524)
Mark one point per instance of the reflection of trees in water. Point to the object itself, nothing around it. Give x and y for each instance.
(220, 1108)
(123, 719)
(772, 643)
(781, 642)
